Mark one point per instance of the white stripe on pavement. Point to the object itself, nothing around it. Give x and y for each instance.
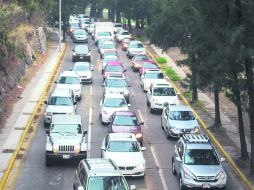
(89, 132)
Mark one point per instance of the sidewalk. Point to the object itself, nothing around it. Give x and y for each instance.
(230, 127)
(14, 127)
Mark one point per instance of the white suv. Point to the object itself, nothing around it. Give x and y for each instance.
(117, 146)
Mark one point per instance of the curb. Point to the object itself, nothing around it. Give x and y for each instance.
(233, 165)
(13, 160)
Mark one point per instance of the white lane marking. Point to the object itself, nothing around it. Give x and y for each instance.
(91, 91)
(141, 116)
(89, 132)
(163, 181)
(132, 92)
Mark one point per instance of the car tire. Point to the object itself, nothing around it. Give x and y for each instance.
(151, 109)
(181, 186)
(46, 125)
(147, 103)
(173, 167)
(162, 125)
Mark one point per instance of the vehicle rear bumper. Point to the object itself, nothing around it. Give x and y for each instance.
(65, 156)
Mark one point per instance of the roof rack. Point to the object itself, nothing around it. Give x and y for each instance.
(189, 138)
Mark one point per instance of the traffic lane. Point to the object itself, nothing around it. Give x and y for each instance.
(159, 149)
(34, 174)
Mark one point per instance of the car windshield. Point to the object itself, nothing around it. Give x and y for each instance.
(108, 46)
(74, 25)
(126, 41)
(125, 33)
(82, 67)
(181, 115)
(140, 58)
(118, 25)
(60, 101)
(123, 146)
(107, 183)
(79, 32)
(81, 49)
(109, 53)
(104, 34)
(136, 45)
(117, 83)
(201, 157)
(125, 120)
(164, 91)
(153, 76)
(115, 102)
(68, 80)
(149, 66)
(66, 128)
(114, 68)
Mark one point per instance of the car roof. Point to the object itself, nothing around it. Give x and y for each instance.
(62, 92)
(66, 119)
(179, 108)
(69, 74)
(161, 83)
(122, 137)
(125, 113)
(113, 95)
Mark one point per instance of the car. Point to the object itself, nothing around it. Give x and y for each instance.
(65, 139)
(135, 48)
(148, 65)
(90, 29)
(159, 94)
(103, 34)
(117, 85)
(125, 43)
(177, 120)
(108, 58)
(105, 46)
(122, 34)
(99, 174)
(113, 67)
(85, 24)
(100, 41)
(81, 53)
(84, 71)
(110, 103)
(79, 36)
(117, 26)
(126, 122)
(197, 163)
(151, 76)
(70, 80)
(137, 61)
(61, 101)
(117, 146)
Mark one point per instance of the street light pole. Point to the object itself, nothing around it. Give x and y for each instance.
(60, 23)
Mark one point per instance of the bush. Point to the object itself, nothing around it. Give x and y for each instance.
(172, 74)
(161, 60)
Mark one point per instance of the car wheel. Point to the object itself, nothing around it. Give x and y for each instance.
(173, 168)
(147, 103)
(46, 125)
(91, 81)
(182, 187)
(151, 109)
(162, 125)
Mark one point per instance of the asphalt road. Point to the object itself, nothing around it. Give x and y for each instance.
(35, 175)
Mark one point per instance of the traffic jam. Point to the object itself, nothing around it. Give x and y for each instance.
(122, 157)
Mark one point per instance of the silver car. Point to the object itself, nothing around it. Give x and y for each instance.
(135, 48)
(197, 163)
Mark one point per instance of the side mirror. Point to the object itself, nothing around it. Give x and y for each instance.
(143, 148)
(92, 69)
(47, 132)
(132, 187)
(101, 103)
(129, 85)
(74, 103)
(148, 92)
(222, 159)
(84, 133)
(73, 50)
(124, 70)
(141, 123)
(45, 102)
(178, 159)
(103, 148)
(56, 82)
(103, 84)
(129, 105)
(80, 188)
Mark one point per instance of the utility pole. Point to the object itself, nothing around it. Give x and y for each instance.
(60, 23)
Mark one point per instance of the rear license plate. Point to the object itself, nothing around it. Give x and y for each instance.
(206, 186)
(67, 156)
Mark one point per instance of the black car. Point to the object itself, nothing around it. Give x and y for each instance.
(81, 53)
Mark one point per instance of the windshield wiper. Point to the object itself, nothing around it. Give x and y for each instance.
(57, 133)
(71, 133)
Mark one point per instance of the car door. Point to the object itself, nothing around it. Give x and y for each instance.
(149, 94)
(179, 154)
(164, 118)
(104, 147)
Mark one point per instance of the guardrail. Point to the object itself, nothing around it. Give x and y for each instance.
(233, 165)
(13, 160)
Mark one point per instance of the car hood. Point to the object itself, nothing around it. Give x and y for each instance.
(126, 129)
(69, 86)
(115, 90)
(66, 139)
(204, 170)
(84, 73)
(79, 36)
(168, 99)
(60, 109)
(130, 158)
(189, 124)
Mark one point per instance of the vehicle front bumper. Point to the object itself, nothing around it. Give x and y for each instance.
(81, 58)
(85, 79)
(105, 118)
(131, 171)
(80, 40)
(66, 156)
(190, 183)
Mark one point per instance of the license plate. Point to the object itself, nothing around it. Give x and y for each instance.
(81, 57)
(206, 186)
(67, 156)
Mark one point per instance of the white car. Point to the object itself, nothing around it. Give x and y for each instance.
(125, 151)
(160, 93)
(135, 48)
(70, 80)
(107, 46)
(112, 102)
(122, 34)
(84, 71)
(151, 76)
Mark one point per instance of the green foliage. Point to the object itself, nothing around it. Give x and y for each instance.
(187, 94)
(171, 74)
(161, 60)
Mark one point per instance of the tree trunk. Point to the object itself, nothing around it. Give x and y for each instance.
(194, 86)
(250, 88)
(109, 14)
(217, 108)
(142, 23)
(118, 16)
(129, 24)
(93, 10)
(236, 91)
(137, 23)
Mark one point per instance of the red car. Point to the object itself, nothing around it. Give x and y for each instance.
(148, 65)
(125, 43)
(113, 67)
(137, 61)
(126, 122)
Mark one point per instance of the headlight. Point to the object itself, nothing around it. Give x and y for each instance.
(140, 166)
(125, 92)
(177, 102)
(175, 130)
(104, 112)
(188, 174)
(155, 101)
(74, 54)
(195, 129)
(77, 148)
(88, 54)
(77, 90)
(55, 148)
(221, 175)
(47, 114)
(138, 135)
